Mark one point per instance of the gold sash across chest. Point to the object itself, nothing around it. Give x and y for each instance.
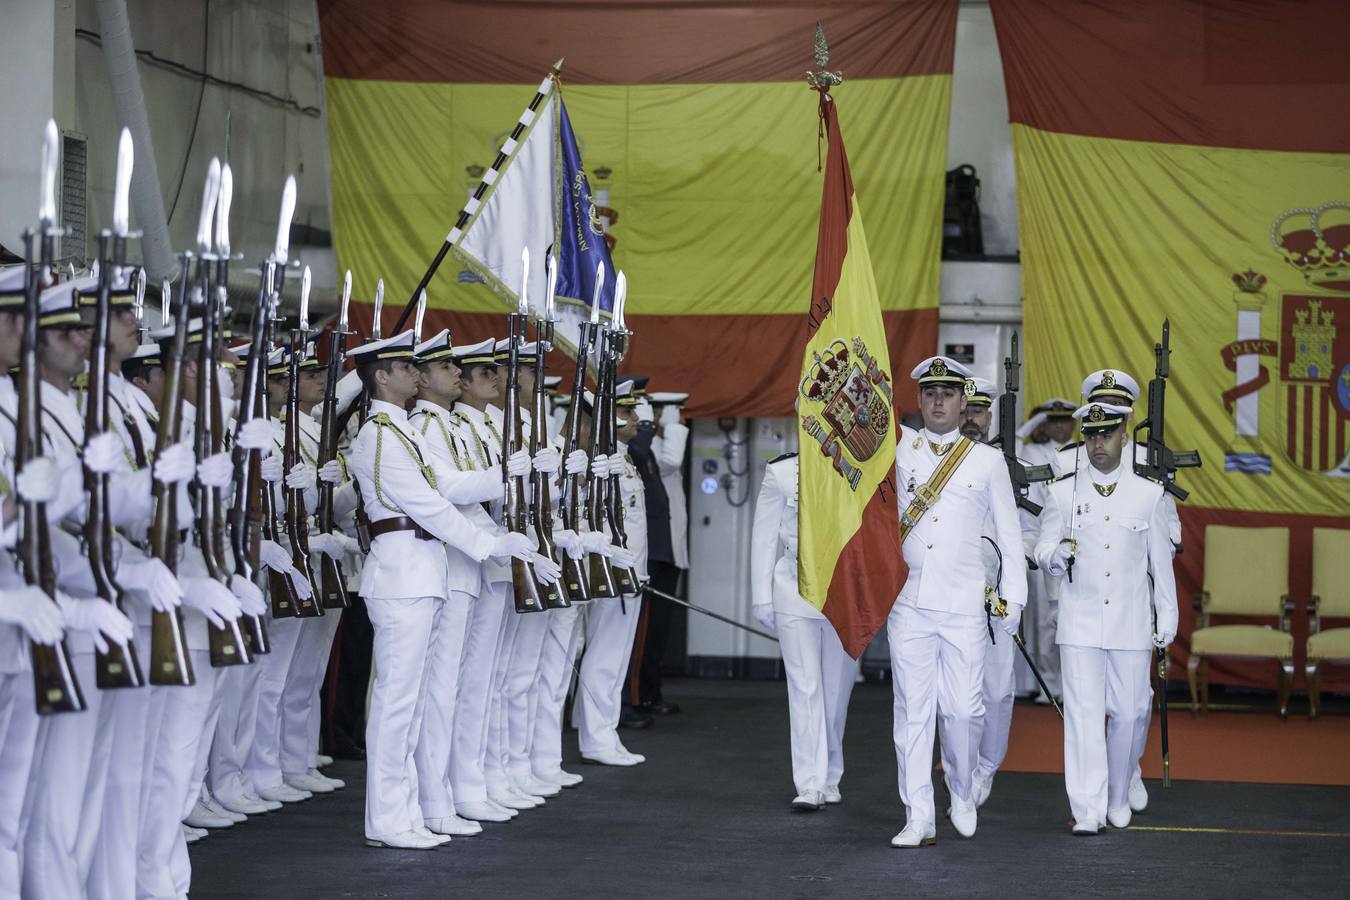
(926, 497)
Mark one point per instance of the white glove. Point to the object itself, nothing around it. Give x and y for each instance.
(176, 464)
(270, 468)
(257, 433)
(576, 463)
(1161, 641)
(763, 613)
(568, 541)
(301, 477)
(600, 466)
(670, 414)
(332, 543)
(215, 471)
(518, 464)
(39, 481)
(513, 544)
(546, 569)
(1011, 621)
(347, 390)
(273, 555)
(154, 579)
(212, 599)
(104, 453)
(644, 412)
(547, 461)
(596, 542)
(303, 589)
(331, 472)
(621, 557)
(97, 618)
(32, 610)
(249, 596)
(1059, 560)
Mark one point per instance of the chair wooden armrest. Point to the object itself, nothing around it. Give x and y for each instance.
(1287, 607)
(1314, 620)
(1199, 604)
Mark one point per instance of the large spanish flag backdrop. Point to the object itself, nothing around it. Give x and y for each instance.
(1185, 159)
(700, 140)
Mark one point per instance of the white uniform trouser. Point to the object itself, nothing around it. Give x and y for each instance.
(300, 695)
(437, 736)
(997, 688)
(487, 621)
(52, 866)
(1046, 594)
(402, 635)
(820, 679)
(177, 724)
(937, 662)
(113, 870)
(20, 726)
(555, 675)
(238, 689)
(610, 629)
(520, 686)
(1111, 685)
(495, 759)
(264, 757)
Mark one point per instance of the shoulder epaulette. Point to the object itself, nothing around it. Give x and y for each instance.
(783, 457)
(1071, 445)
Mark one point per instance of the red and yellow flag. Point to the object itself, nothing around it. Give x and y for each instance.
(849, 562)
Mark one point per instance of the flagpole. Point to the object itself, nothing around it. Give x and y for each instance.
(524, 122)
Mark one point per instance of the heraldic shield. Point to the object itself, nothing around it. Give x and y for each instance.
(855, 395)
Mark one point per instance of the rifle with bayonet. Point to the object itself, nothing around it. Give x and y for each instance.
(1160, 462)
(1022, 475)
(362, 406)
(55, 686)
(226, 643)
(332, 580)
(118, 667)
(600, 579)
(540, 504)
(297, 518)
(615, 346)
(529, 592)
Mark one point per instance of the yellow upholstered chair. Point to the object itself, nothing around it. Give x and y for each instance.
(1246, 574)
(1330, 600)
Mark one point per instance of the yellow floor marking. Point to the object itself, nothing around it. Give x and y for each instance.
(1260, 831)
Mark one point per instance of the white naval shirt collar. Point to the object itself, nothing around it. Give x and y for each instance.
(939, 439)
(477, 417)
(397, 414)
(433, 408)
(1099, 477)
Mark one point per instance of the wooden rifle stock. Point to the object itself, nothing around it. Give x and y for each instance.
(556, 593)
(625, 578)
(332, 580)
(574, 568)
(528, 593)
(285, 598)
(169, 660)
(119, 667)
(297, 520)
(55, 687)
(602, 575)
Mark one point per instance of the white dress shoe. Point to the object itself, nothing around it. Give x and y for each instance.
(193, 835)
(1119, 818)
(638, 758)
(303, 782)
(1087, 828)
(832, 794)
(283, 793)
(506, 810)
(611, 758)
(808, 801)
(531, 785)
(268, 805)
(515, 790)
(407, 840)
(509, 800)
(322, 760)
(336, 784)
(980, 789)
(560, 777)
(1138, 793)
(963, 816)
(481, 812)
(244, 804)
(915, 834)
(214, 806)
(201, 817)
(424, 831)
(453, 825)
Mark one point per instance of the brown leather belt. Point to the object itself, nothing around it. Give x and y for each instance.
(400, 523)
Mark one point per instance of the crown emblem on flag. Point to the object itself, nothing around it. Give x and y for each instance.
(1249, 282)
(1316, 241)
(828, 373)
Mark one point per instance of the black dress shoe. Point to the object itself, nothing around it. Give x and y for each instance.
(634, 719)
(659, 707)
(349, 751)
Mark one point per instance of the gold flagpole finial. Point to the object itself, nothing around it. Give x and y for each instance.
(824, 79)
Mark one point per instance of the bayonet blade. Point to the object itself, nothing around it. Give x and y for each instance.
(346, 299)
(283, 242)
(51, 148)
(126, 157)
(421, 313)
(620, 297)
(379, 308)
(165, 294)
(140, 295)
(223, 212)
(524, 308)
(552, 287)
(599, 291)
(304, 300)
(209, 194)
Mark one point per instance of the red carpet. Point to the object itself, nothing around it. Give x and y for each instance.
(1220, 746)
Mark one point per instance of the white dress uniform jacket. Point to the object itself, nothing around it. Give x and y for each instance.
(668, 448)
